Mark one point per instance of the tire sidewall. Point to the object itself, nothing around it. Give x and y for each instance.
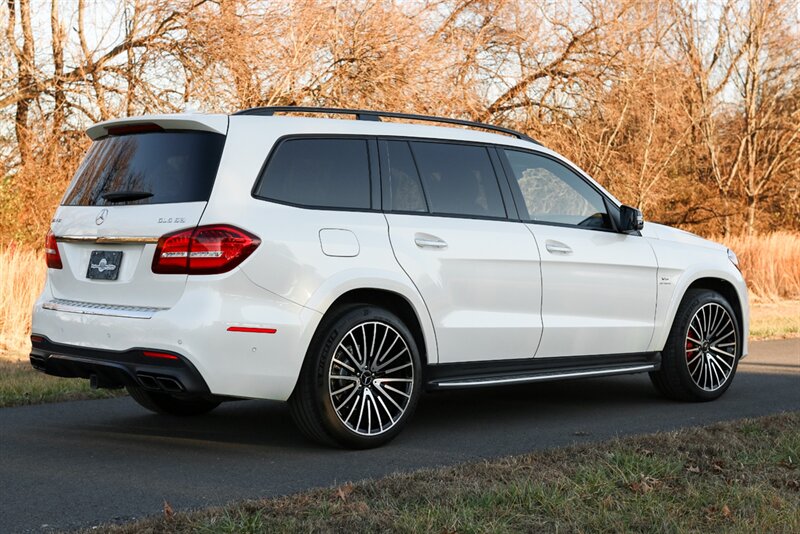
(323, 353)
(677, 347)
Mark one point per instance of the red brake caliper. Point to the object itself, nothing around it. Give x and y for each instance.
(689, 346)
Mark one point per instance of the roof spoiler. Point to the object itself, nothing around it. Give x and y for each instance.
(206, 123)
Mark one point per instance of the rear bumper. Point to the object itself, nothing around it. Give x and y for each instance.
(113, 369)
(232, 363)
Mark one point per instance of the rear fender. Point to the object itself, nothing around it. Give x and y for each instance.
(345, 281)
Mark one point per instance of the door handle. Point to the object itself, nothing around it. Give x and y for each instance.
(557, 247)
(429, 241)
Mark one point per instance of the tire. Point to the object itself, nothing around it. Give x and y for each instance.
(386, 382)
(166, 404)
(702, 352)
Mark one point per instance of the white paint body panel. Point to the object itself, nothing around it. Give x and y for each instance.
(684, 258)
(483, 288)
(232, 363)
(600, 297)
(136, 285)
(493, 292)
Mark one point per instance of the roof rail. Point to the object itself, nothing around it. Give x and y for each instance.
(369, 115)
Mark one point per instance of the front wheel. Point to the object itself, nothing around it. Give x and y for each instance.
(361, 379)
(703, 349)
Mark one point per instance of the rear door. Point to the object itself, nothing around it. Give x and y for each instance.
(139, 181)
(477, 271)
(598, 285)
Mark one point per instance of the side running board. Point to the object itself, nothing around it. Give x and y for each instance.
(489, 373)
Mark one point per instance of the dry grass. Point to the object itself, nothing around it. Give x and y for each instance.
(771, 265)
(20, 385)
(773, 320)
(22, 274)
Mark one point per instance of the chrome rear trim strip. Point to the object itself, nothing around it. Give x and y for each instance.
(100, 240)
(108, 310)
(543, 377)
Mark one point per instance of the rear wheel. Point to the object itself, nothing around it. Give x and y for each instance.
(164, 403)
(702, 352)
(361, 379)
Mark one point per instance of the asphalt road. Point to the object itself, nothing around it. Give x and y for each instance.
(78, 464)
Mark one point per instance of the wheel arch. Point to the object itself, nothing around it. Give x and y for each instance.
(724, 288)
(731, 288)
(389, 300)
(381, 288)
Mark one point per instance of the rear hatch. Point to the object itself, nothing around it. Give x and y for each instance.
(141, 179)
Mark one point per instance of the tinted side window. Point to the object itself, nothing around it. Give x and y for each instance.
(318, 172)
(164, 167)
(405, 189)
(458, 179)
(554, 193)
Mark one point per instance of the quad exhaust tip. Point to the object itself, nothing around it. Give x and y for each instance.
(169, 384)
(163, 383)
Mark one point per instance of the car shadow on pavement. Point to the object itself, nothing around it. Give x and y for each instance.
(519, 416)
(439, 414)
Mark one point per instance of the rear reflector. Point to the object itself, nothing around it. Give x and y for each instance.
(210, 249)
(51, 251)
(162, 355)
(252, 330)
(37, 339)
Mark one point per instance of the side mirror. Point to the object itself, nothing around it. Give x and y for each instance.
(630, 219)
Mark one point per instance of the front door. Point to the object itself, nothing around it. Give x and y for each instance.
(599, 285)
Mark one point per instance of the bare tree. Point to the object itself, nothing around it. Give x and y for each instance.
(26, 68)
(770, 123)
(686, 108)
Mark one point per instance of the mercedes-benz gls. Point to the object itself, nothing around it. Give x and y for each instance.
(346, 266)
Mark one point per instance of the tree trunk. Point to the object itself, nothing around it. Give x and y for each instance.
(60, 103)
(752, 201)
(25, 74)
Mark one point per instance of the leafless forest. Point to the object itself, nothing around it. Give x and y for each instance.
(688, 109)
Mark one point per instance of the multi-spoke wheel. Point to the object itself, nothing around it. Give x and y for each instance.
(711, 346)
(371, 378)
(702, 351)
(361, 379)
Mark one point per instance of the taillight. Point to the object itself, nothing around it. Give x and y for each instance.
(51, 251)
(209, 249)
(161, 355)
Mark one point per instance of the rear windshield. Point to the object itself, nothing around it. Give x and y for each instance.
(147, 168)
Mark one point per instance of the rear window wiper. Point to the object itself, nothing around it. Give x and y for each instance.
(125, 196)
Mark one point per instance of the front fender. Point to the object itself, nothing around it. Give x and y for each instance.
(673, 283)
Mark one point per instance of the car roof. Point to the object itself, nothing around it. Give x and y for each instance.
(318, 125)
(294, 125)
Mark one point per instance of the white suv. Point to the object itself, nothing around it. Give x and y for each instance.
(348, 265)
